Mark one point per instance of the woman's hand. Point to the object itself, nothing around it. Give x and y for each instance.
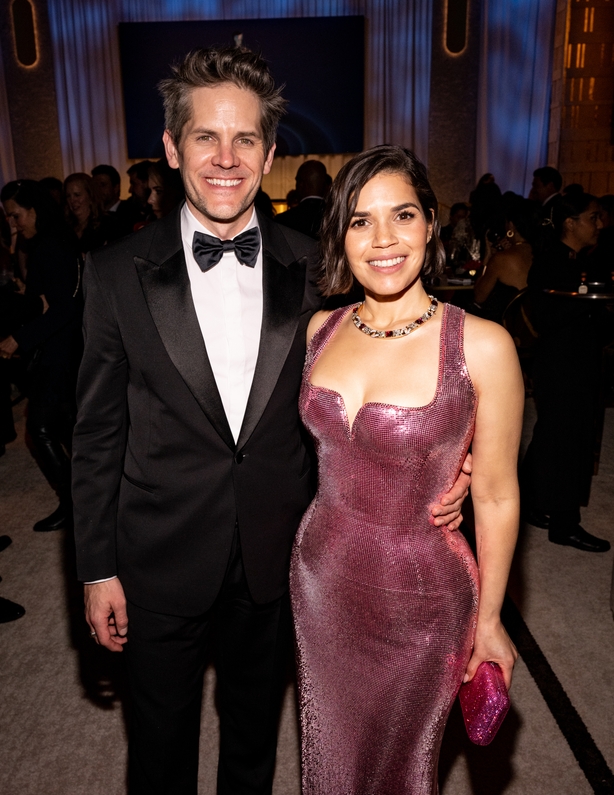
(492, 644)
(8, 347)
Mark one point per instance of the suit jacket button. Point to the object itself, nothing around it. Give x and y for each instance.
(239, 457)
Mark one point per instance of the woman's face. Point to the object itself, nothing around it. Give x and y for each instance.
(386, 241)
(585, 228)
(155, 197)
(78, 201)
(20, 219)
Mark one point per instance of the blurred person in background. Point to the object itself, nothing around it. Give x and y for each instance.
(54, 187)
(312, 185)
(292, 198)
(546, 185)
(122, 212)
(166, 188)
(556, 471)
(108, 181)
(458, 212)
(139, 191)
(85, 213)
(48, 337)
(601, 259)
(486, 211)
(505, 271)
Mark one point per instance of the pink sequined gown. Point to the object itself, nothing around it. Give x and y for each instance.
(384, 602)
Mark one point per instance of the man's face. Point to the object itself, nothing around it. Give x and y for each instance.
(139, 188)
(221, 156)
(109, 193)
(540, 190)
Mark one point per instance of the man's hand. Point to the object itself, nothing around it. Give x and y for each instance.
(105, 612)
(448, 509)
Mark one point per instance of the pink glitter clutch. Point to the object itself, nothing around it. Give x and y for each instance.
(484, 702)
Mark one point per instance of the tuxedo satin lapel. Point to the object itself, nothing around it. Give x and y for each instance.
(283, 288)
(166, 288)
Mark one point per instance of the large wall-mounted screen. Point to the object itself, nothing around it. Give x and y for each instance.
(320, 61)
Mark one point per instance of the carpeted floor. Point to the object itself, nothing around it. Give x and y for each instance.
(61, 720)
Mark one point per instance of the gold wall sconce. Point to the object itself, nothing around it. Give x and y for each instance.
(24, 30)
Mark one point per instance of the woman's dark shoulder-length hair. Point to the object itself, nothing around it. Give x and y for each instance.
(27, 193)
(336, 276)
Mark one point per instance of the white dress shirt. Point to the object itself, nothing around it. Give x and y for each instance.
(228, 304)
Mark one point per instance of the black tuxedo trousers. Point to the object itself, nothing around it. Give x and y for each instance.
(166, 658)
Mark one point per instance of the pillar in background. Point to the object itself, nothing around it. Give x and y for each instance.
(453, 110)
(31, 97)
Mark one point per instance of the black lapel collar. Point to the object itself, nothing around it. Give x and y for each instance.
(166, 287)
(283, 286)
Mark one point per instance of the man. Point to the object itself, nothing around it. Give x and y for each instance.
(190, 468)
(547, 183)
(108, 182)
(124, 214)
(139, 182)
(312, 183)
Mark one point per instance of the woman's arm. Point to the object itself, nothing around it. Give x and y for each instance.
(494, 369)
(487, 280)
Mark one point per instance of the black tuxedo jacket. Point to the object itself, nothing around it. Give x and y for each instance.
(158, 482)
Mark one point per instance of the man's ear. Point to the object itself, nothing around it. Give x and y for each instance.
(269, 160)
(172, 153)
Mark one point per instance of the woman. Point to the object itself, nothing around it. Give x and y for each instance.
(50, 341)
(505, 273)
(166, 188)
(84, 212)
(388, 611)
(556, 471)
(486, 215)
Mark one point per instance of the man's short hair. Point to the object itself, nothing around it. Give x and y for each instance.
(457, 207)
(547, 174)
(109, 171)
(205, 68)
(140, 170)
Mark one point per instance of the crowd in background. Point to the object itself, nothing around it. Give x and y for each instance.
(511, 250)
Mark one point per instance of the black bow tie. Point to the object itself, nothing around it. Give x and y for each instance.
(208, 250)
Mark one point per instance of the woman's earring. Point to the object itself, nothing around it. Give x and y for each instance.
(509, 233)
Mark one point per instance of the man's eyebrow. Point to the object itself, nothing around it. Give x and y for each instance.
(241, 134)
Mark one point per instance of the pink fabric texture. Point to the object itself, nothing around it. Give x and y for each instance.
(384, 602)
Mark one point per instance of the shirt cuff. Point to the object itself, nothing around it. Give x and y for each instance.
(94, 582)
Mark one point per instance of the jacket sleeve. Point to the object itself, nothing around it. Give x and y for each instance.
(99, 441)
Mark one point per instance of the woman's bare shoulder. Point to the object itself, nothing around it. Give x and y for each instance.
(489, 349)
(317, 321)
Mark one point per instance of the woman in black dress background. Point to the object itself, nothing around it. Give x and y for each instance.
(49, 342)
